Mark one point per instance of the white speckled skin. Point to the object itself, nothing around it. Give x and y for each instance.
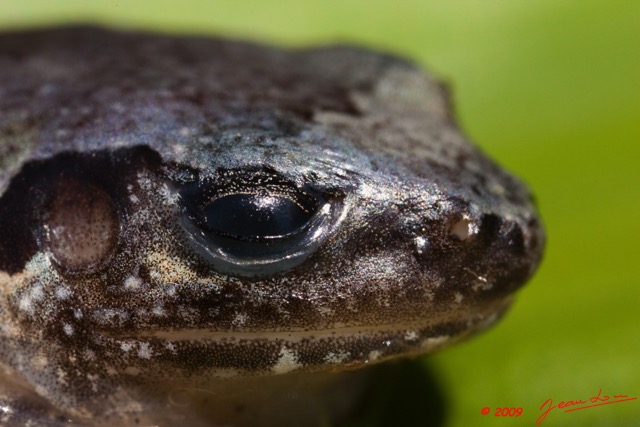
(115, 308)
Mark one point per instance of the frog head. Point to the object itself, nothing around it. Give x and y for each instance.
(315, 213)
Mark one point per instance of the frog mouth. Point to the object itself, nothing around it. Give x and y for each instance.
(451, 324)
(293, 336)
(220, 353)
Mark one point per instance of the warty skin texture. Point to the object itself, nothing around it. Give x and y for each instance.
(114, 301)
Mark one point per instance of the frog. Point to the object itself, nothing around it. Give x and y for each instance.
(201, 231)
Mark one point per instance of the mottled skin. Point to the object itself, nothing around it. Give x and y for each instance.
(116, 309)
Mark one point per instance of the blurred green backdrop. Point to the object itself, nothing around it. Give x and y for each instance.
(551, 88)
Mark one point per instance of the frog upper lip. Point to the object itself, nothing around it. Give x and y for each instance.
(290, 335)
(456, 324)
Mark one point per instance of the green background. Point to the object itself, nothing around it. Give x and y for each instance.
(551, 89)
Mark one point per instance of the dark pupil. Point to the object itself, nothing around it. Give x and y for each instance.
(255, 216)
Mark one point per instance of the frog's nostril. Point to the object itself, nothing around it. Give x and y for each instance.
(81, 225)
(461, 229)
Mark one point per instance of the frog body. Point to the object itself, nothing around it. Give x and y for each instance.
(190, 218)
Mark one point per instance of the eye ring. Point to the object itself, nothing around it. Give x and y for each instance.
(255, 222)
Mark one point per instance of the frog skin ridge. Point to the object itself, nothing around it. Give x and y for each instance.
(122, 280)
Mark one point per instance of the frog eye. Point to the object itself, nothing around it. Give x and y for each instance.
(254, 223)
(254, 217)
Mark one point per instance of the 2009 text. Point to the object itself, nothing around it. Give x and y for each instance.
(508, 412)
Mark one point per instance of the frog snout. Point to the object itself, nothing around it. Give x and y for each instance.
(474, 250)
